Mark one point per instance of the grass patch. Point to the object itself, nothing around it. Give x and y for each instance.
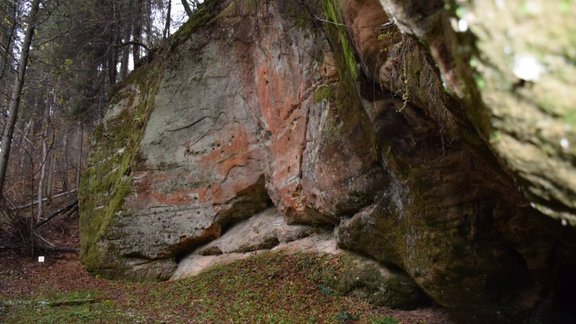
(74, 307)
(268, 288)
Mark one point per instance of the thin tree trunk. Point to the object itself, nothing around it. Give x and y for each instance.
(113, 61)
(148, 22)
(64, 170)
(187, 8)
(126, 49)
(40, 188)
(8, 43)
(113, 57)
(137, 32)
(51, 162)
(8, 134)
(44, 166)
(79, 160)
(23, 152)
(166, 33)
(50, 156)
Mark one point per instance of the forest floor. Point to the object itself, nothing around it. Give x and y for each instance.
(264, 289)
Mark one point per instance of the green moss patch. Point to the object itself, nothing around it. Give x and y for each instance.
(324, 92)
(347, 120)
(107, 180)
(202, 16)
(340, 41)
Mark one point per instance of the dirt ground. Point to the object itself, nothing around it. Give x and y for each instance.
(23, 278)
(60, 271)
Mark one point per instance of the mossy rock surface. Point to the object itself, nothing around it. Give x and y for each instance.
(450, 193)
(527, 75)
(109, 180)
(367, 279)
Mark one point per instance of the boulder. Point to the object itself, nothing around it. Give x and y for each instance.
(263, 126)
(262, 232)
(367, 279)
(199, 142)
(268, 232)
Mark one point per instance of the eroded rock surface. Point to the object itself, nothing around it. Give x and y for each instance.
(265, 231)
(511, 69)
(269, 232)
(266, 125)
(485, 53)
(221, 139)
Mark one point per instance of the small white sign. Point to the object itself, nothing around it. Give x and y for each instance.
(41, 259)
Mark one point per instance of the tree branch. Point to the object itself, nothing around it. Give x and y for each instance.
(71, 302)
(58, 212)
(187, 8)
(133, 43)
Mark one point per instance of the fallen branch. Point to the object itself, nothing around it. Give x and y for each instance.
(69, 213)
(59, 249)
(42, 239)
(35, 202)
(52, 248)
(71, 302)
(56, 213)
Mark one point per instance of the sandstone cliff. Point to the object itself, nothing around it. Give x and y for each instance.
(373, 126)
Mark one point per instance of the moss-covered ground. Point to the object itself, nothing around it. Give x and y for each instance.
(268, 288)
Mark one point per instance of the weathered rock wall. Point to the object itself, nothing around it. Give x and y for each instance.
(243, 115)
(500, 60)
(510, 63)
(330, 114)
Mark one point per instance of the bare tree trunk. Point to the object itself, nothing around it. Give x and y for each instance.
(126, 49)
(137, 32)
(40, 190)
(166, 33)
(187, 8)
(51, 167)
(8, 134)
(113, 60)
(23, 151)
(7, 43)
(50, 156)
(79, 160)
(148, 21)
(44, 166)
(64, 166)
(113, 57)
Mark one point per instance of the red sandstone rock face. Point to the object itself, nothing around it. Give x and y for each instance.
(251, 112)
(237, 125)
(283, 89)
(314, 175)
